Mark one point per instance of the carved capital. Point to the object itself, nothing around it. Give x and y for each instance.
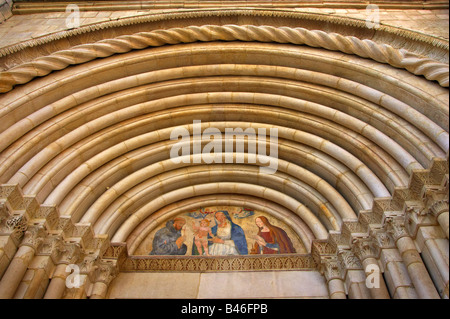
(14, 226)
(67, 253)
(106, 271)
(383, 239)
(349, 261)
(439, 207)
(34, 236)
(364, 247)
(331, 268)
(88, 266)
(396, 227)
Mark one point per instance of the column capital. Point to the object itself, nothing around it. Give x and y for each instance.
(383, 239)
(34, 236)
(106, 271)
(439, 207)
(331, 268)
(349, 261)
(364, 247)
(13, 225)
(396, 227)
(67, 253)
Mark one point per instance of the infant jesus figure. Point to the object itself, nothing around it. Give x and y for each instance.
(201, 236)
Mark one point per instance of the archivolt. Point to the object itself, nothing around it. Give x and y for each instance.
(419, 65)
(93, 139)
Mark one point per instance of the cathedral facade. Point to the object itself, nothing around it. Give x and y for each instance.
(224, 149)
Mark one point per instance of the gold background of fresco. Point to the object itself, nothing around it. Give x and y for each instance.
(246, 223)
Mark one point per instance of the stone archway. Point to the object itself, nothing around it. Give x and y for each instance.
(362, 149)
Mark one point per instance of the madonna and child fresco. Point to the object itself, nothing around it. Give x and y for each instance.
(221, 231)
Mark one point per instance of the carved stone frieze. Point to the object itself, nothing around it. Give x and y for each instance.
(218, 264)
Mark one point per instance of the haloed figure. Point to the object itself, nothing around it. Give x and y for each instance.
(271, 239)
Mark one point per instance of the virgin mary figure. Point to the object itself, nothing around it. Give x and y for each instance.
(271, 239)
(228, 237)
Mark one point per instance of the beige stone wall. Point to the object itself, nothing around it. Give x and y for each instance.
(34, 25)
(5, 10)
(270, 284)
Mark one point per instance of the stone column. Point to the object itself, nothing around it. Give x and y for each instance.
(396, 275)
(333, 274)
(435, 254)
(364, 249)
(355, 278)
(65, 254)
(106, 272)
(422, 282)
(440, 211)
(12, 229)
(18, 266)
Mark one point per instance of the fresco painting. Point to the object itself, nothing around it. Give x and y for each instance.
(221, 231)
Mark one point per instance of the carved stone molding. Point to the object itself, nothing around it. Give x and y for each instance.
(41, 66)
(219, 264)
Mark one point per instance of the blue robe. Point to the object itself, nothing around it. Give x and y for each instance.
(237, 235)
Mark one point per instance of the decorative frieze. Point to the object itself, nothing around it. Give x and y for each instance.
(218, 264)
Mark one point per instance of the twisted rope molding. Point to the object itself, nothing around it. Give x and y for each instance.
(383, 53)
(202, 13)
